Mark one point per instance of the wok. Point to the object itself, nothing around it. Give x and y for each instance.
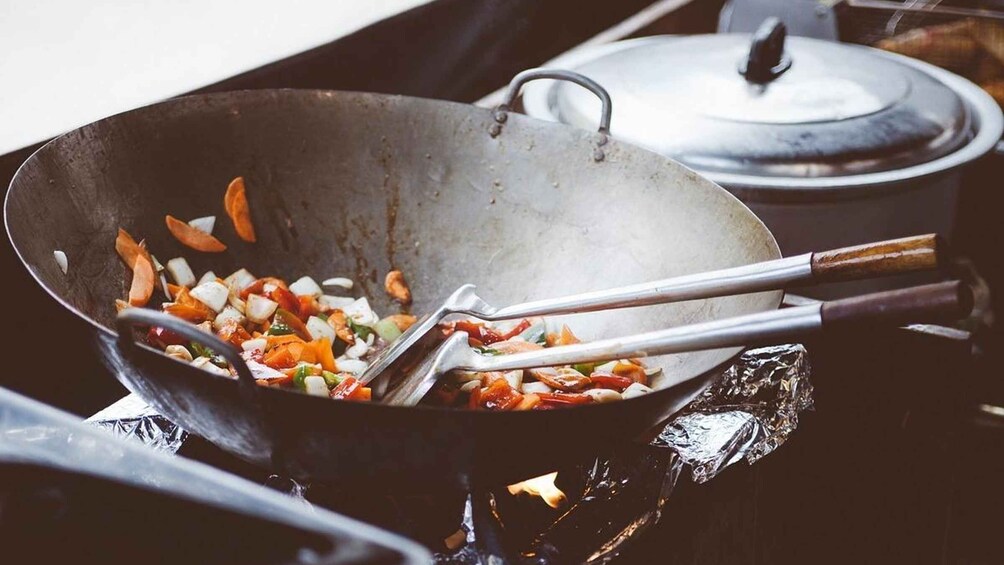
(355, 184)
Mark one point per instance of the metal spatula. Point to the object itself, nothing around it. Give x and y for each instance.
(864, 261)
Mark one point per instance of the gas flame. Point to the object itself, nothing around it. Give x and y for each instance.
(542, 486)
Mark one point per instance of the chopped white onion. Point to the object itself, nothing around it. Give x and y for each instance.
(206, 365)
(262, 371)
(60, 258)
(357, 349)
(514, 378)
(652, 371)
(603, 395)
(239, 280)
(208, 277)
(329, 302)
(258, 344)
(228, 315)
(236, 302)
(606, 367)
(354, 366)
(205, 224)
(361, 313)
(315, 386)
(634, 390)
(469, 386)
(535, 387)
(320, 329)
(306, 286)
(213, 294)
(341, 282)
(181, 273)
(259, 309)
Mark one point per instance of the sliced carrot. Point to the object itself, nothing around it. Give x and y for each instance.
(277, 340)
(128, 249)
(280, 358)
(196, 239)
(235, 202)
(186, 312)
(325, 356)
(142, 281)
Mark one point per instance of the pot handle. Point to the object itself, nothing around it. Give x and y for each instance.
(131, 317)
(767, 59)
(516, 84)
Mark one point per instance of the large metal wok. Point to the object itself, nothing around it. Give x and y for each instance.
(355, 184)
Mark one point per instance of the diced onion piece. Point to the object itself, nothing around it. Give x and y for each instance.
(535, 388)
(179, 352)
(236, 302)
(319, 329)
(259, 309)
(205, 224)
(206, 365)
(240, 280)
(262, 371)
(306, 286)
(603, 395)
(387, 330)
(315, 386)
(213, 294)
(357, 349)
(257, 344)
(208, 277)
(354, 366)
(465, 376)
(229, 314)
(652, 371)
(469, 386)
(329, 302)
(635, 390)
(606, 367)
(181, 273)
(360, 312)
(341, 282)
(60, 258)
(514, 378)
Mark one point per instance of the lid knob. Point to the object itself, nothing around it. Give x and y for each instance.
(767, 59)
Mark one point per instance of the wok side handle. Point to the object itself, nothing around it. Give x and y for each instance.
(132, 317)
(516, 84)
(918, 253)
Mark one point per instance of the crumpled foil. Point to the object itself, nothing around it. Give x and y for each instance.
(748, 413)
(130, 417)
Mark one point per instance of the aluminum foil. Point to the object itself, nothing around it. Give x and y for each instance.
(746, 414)
(133, 418)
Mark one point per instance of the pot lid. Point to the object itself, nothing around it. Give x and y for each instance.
(769, 106)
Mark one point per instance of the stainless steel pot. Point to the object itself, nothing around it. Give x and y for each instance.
(829, 144)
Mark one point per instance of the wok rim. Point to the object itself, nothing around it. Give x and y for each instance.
(777, 298)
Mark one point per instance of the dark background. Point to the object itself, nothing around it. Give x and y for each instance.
(894, 466)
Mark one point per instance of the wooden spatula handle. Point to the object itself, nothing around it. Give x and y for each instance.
(939, 302)
(917, 253)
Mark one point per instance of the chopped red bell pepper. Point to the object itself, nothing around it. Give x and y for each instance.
(500, 396)
(162, 337)
(483, 335)
(346, 388)
(286, 299)
(564, 398)
(474, 401)
(610, 381)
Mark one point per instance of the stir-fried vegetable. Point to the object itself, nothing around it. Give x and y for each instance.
(235, 202)
(296, 337)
